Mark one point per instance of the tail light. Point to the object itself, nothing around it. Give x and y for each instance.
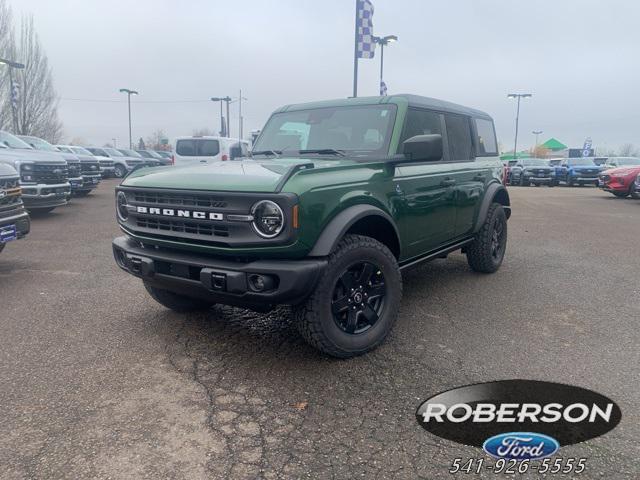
(225, 157)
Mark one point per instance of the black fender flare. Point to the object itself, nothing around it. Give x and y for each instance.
(493, 190)
(340, 224)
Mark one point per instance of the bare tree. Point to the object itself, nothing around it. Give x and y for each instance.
(628, 150)
(7, 49)
(37, 102)
(156, 139)
(203, 132)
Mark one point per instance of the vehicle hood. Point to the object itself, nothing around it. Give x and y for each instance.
(623, 171)
(580, 168)
(233, 176)
(88, 158)
(69, 157)
(7, 170)
(31, 155)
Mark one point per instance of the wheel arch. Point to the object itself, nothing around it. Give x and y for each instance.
(365, 220)
(495, 192)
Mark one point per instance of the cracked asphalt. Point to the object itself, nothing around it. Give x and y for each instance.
(98, 381)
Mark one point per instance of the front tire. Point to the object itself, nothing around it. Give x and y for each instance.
(634, 192)
(177, 303)
(486, 253)
(356, 301)
(120, 171)
(621, 194)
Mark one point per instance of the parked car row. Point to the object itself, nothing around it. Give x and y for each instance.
(617, 175)
(36, 176)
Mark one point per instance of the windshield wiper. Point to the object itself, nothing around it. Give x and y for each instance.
(274, 153)
(324, 151)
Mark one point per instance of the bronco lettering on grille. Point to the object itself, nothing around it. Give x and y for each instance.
(170, 212)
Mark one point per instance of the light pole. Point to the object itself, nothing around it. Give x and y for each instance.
(13, 95)
(536, 133)
(129, 93)
(518, 96)
(222, 127)
(383, 41)
(240, 98)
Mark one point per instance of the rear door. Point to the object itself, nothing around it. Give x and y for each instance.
(194, 151)
(471, 141)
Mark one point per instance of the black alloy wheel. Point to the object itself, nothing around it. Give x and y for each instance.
(358, 298)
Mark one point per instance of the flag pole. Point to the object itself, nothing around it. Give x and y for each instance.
(355, 55)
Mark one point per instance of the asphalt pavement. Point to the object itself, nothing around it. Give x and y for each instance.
(99, 381)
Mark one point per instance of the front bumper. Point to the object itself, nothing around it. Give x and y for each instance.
(20, 220)
(533, 179)
(89, 182)
(45, 196)
(584, 179)
(217, 279)
(76, 183)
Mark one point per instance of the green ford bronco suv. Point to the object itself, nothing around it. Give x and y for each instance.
(337, 199)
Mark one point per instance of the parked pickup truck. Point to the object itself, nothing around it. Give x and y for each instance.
(578, 171)
(536, 171)
(339, 198)
(44, 176)
(14, 219)
(93, 169)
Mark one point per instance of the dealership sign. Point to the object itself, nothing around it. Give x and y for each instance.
(519, 419)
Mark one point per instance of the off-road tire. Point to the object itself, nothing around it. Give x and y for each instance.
(479, 252)
(315, 319)
(120, 171)
(633, 192)
(177, 303)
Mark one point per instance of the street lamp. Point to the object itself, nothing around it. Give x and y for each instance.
(13, 95)
(517, 96)
(129, 93)
(224, 126)
(383, 41)
(536, 133)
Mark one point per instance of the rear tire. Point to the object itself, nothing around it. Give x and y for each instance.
(355, 302)
(177, 303)
(486, 253)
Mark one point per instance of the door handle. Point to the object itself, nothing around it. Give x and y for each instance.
(447, 182)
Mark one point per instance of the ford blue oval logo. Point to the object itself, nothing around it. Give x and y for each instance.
(521, 446)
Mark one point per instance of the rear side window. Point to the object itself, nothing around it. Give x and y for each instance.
(459, 136)
(197, 148)
(420, 122)
(487, 146)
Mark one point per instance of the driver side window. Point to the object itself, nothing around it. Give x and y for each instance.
(420, 122)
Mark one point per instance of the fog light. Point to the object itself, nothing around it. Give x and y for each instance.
(261, 283)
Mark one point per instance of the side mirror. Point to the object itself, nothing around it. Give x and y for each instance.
(426, 148)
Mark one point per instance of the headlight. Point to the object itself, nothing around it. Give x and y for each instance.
(268, 219)
(121, 206)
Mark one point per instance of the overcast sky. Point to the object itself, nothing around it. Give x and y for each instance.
(579, 58)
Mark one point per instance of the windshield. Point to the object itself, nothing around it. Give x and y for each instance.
(112, 152)
(627, 161)
(39, 143)
(535, 162)
(129, 153)
(358, 130)
(144, 154)
(81, 151)
(13, 142)
(581, 161)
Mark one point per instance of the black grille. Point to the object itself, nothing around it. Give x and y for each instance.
(50, 174)
(107, 163)
(195, 228)
(9, 203)
(176, 200)
(90, 168)
(74, 169)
